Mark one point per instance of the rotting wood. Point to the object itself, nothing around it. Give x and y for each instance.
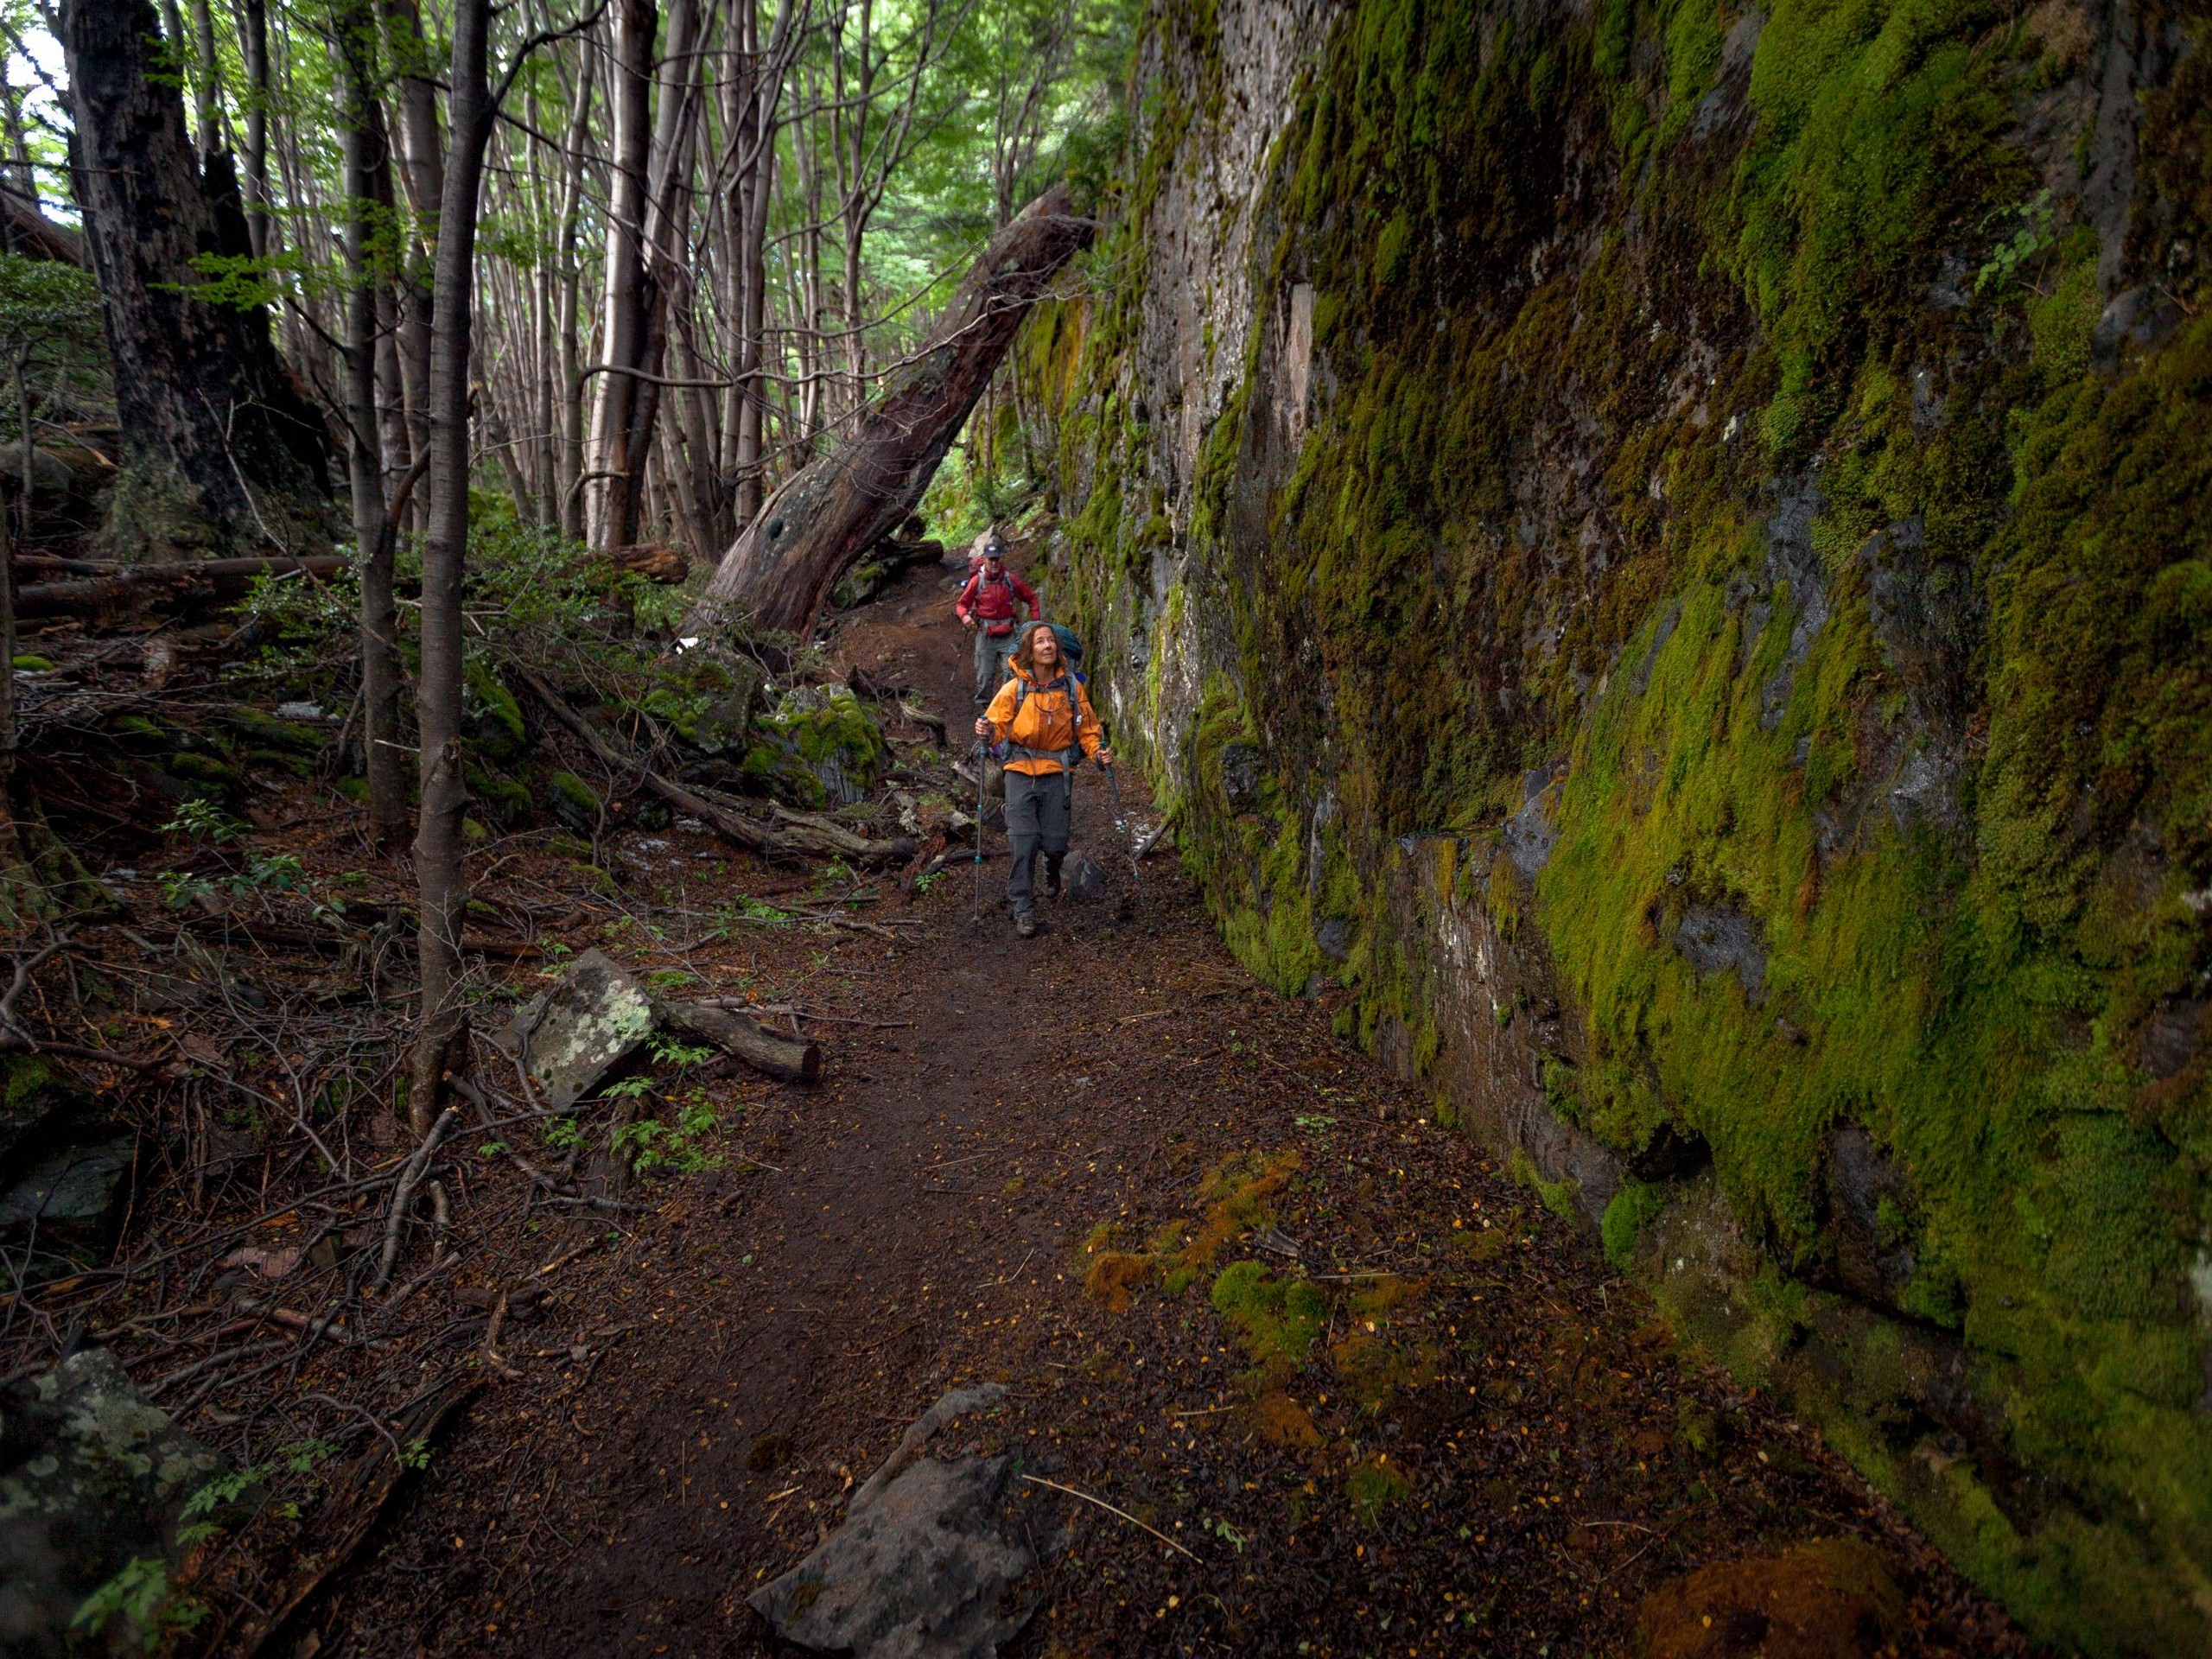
(366, 1492)
(798, 1061)
(204, 582)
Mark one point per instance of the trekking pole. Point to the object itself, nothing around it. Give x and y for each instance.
(1122, 830)
(975, 916)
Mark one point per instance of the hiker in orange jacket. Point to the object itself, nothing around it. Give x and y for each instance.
(1043, 716)
(987, 604)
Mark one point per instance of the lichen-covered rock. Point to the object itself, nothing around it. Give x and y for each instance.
(933, 1568)
(93, 1481)
(576, 1034)
(66, 1207)
(708, 701)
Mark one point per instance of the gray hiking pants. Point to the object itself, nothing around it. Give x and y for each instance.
(991, 655)
(1037, 813)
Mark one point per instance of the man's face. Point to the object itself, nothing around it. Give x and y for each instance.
(993, 563)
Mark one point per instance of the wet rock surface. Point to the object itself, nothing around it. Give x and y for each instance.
(933, 1567)
(93, 1480)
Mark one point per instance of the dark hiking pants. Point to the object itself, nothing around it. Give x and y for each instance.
(1036, 813)
(991, 654)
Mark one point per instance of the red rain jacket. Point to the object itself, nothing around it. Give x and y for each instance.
(991, 602)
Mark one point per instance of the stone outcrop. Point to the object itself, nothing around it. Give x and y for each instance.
(1656, 553)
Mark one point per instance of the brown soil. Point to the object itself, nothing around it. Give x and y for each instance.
(1474, 1438)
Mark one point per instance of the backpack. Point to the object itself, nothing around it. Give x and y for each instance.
(1070, 757)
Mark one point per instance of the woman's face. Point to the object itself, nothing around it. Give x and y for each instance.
(1045, 649)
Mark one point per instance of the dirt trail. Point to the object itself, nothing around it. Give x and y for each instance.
(1452, 1429)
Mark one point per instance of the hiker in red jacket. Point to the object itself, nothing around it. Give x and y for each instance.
(987, 605)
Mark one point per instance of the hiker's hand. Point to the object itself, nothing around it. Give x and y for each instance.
(1105, 756)
(967, 622)
(982, 727)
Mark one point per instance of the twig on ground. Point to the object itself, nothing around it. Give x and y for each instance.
(402, 1193)
(1039, 1480)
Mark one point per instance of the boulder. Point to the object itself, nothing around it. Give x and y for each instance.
(935, 1567)
(94, 1483)
(1086, 880)
(69, 1203)
(571, 1036)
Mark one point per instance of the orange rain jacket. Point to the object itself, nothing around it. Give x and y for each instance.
(1044, 723)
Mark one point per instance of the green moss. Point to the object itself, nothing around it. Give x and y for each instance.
(266, 732)
(495, 718)
(1275, 1319)
(1631, 1208)
(575, 802)
(1374, 1485)
(31, 663)
(508, 801)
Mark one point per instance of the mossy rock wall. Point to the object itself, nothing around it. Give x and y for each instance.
(1656, 549)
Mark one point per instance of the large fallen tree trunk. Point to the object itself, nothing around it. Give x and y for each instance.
(801, 835)
(179, 587)
(780, 568)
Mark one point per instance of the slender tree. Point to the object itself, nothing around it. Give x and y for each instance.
(365, 162)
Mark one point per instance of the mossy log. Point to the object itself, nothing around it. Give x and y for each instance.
(799, 833)
(782, 567)
(794, 1059)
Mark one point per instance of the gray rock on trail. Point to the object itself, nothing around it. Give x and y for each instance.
(570, 1037)
(1086, 880)
(932, 1569)
(93, 1480)
(931, 1563)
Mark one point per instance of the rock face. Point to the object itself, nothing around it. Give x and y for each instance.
(92, 1483)
(1663, 549)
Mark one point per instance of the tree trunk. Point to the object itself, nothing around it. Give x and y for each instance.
(615, 494)
(442, 895)
(422, 155)
(207, 82)
(253, 44)
(203, 400)
(568, 476)
(365, 147)
(786, 560)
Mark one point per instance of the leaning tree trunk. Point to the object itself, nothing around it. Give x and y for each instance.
(203, 399)
(784, 563)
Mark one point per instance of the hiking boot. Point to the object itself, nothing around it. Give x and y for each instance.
(1024, 925)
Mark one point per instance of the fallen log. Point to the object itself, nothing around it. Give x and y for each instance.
(32, 233)
(784, 563)
(665, 565)
(794, 1060)
(804, 836)
(202, 582)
